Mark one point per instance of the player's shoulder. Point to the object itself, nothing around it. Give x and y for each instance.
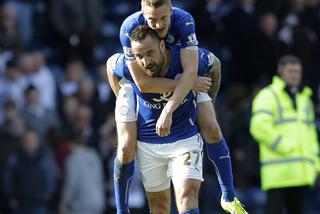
(175, 50)
(132, 21)
(118, 64)
(182, 20)
(180, 15)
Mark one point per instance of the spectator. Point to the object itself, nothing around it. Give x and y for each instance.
(36, 116)
(83, 121)
(9, 32)
(267, 47)
(29, 177)
(106, 99)
(13, 124)
(43, 80)
(77, 23)
(5, 56)
(24, 10)
(70, 104)
(12, 86)
(242, 24)
(209, 16)
(283, 123)
(75, 72)
(37, 73)
(83, 190)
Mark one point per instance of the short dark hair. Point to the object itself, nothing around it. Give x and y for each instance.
(288, 59)
(30, 88)
(154, 3)
(141, 32)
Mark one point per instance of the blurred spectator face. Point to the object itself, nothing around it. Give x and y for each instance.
(12, 73)
(70, 106)
(269, 24)
(38, 60)
(75, 71)
(291, 73)
(83, 117)
(27, 63)
(32, 97)
(86, 90)
(158, 18)
(10, 111)
(30, 142)
(8, 18)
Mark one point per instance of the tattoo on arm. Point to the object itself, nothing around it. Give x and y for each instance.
(216, 79)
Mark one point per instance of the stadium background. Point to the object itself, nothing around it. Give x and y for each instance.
(58, 48)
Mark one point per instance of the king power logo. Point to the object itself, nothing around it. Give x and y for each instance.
(164, 97)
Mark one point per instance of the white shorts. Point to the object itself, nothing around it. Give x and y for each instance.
(178, 161)
(203, 97)
(126, 110)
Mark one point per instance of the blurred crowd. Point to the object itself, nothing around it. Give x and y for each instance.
(57, 129)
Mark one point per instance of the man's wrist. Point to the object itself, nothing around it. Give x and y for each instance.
(169, 108)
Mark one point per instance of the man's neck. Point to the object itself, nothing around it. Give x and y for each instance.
(167, 61)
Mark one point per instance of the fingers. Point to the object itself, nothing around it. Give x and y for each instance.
(162, 131)
(206, 84)
(203, 84)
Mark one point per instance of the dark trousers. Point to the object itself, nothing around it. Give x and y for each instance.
(285, 199)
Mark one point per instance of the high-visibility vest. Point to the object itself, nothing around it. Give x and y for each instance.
(287, 136)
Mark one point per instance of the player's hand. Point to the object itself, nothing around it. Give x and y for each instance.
(202, 84)
(164, 123)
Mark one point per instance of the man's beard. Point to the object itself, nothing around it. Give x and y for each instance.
(156, 68)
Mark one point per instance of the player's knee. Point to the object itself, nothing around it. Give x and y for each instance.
(126, 151)
(188, 199)
(159, 206)
(212, 132)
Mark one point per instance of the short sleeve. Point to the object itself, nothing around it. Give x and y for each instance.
(185, 25)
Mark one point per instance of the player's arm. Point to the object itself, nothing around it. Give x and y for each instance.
(189, 57)
(110, 77)
(148, 84)
(145, 83)
(189, 62)
(216, 78)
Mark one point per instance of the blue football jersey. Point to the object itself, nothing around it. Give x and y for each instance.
(150, 105)
(181, 31)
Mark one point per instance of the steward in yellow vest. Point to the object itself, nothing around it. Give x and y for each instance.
(283, 124)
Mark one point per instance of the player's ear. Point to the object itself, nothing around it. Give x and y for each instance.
(162, 46)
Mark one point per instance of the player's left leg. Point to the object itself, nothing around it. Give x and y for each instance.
(186, 193)
(159, 202)
(125, 117)
(185, 169)
(217, 148)
(153, 164)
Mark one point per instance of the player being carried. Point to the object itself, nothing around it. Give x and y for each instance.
(175, 26)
